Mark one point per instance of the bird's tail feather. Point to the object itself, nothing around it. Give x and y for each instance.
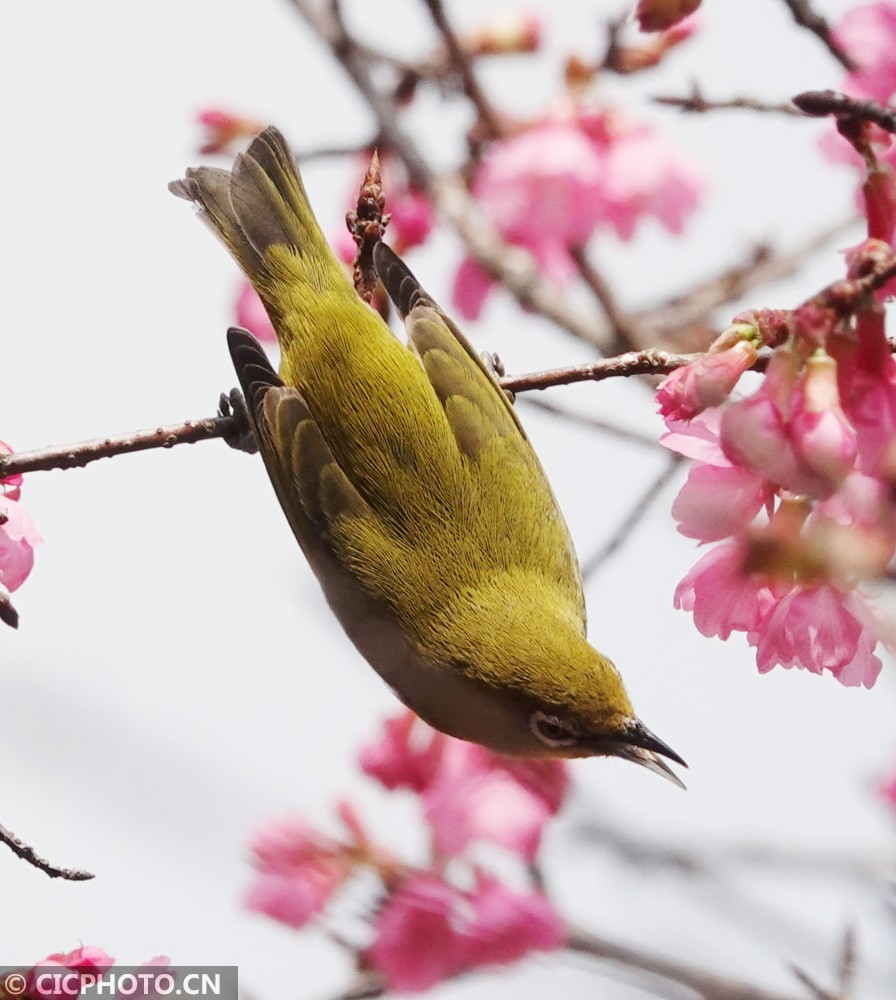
(258, 205)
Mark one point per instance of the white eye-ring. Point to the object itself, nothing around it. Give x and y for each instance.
(551, 731)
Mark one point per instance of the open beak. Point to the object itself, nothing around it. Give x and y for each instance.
(638, 744)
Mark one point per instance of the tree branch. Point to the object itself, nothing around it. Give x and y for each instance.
(27, 853)
(812, 21)
(696, 103)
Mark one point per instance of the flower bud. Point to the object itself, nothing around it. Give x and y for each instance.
(510, 30)
(707, 382)
(823, 438)
(658, 15)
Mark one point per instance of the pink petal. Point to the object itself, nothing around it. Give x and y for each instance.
(252, 315)
(506, 926)
(698, 438)
(716, 502)
(472, 285)
(18, 536)
(408, 754)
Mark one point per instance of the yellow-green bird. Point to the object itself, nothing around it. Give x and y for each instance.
(413, 489)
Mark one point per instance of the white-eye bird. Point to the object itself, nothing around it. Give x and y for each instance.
(413, 489)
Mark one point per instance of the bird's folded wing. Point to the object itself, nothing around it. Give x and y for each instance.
(521, 512)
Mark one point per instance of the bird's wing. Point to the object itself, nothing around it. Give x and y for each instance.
(488, 432)
(299, 461)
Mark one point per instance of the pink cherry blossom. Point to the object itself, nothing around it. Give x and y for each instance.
(824, 440)
(879, 193)
(473, 799)
(252, 315)
(224, 128)
(299, 869)
(691, 389)
(11, 486)
(18, 536)
(417, 940)
(506, 926)
(471, 287)
(817, 627)
(646, 176)
(717, 501)
(722, 596)
(868, 34)
(429, 930)
(888, 790)
(85, 962)
(408, 754)
(698, 438)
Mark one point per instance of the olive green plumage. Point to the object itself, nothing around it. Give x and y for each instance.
(412, 487)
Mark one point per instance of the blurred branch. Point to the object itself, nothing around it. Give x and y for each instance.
(698, 104)
(821, 103)
(633, 517)
(624, 334)
(27, 853)
(706, 984)
(593, 423)
(463, 64)
(811, 20)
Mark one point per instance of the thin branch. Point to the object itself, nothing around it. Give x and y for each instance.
(694, 307)
(462, 63)
(27, 853)
(624, 334)
(696, 103)
(811, 20)
(649, 362)
(78, 455)
(706, 984)
(633, 518)
(592, 423)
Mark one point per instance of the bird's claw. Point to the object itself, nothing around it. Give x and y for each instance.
(240, 435)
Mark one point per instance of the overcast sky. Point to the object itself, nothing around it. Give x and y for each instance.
(177, 678)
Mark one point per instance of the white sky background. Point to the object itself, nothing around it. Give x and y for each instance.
(177, 678)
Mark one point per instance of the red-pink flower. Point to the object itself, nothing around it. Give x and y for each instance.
(824, 440)
(11, 486)
(691, 389)
(718, 500)
(506, 926)
(18, 536)
(419, 941)
(818, 627)
(646, 176)
(429, 931)
(251, 314)
(408, 754)
(299, 869)
(224, 128)
(879, 194)
(476, 798)
(723, 597)
(868, 34)
(46, 979)
(888, 790)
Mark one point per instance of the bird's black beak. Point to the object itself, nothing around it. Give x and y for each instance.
(638, 744)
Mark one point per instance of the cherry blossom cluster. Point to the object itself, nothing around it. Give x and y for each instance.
(50, 979)
(18, 535)
(426, 926)
(796, 481)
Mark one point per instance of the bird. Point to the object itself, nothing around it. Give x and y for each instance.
(412, 487)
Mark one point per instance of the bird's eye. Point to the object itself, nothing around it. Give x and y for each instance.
(550, 730)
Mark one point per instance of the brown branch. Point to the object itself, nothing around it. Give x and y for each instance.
(709, 985)
(633, 518)
(649, 362)
(78, 455)
(812, 21)
(367, 223)
(462, 63)
(624, 333)
(27, 853)
(696, 103)
(821, 103)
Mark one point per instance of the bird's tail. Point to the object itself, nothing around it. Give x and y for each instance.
(258, 206)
